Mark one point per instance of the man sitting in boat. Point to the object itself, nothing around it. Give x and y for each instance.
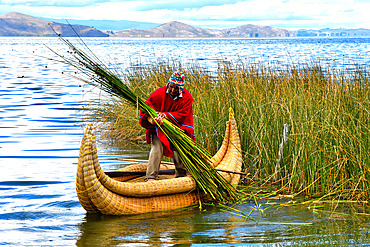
(173, 102)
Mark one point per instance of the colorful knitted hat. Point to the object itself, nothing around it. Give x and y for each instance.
(178, 79)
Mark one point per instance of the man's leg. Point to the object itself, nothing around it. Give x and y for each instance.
(155, 157)
(180, 168)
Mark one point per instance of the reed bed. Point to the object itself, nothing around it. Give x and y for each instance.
(326, 111)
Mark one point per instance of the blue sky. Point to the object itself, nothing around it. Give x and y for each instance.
(289, 14)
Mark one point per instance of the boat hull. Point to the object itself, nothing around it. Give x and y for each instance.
(97, 192)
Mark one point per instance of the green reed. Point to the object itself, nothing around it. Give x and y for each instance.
(195, 158)
(328, 112)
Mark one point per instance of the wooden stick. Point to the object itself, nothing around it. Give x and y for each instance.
(114, 174)
(240, 173)
(138, 161)
(142, 173)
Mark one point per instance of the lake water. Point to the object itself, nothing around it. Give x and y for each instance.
(40, 134)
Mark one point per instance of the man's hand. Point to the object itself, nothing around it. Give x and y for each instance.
(158, 119)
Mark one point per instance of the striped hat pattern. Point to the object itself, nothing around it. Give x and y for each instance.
(178, 78)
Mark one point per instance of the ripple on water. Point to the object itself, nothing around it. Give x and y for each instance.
(28, 183)
(31, 196)
(27, 215)
(62, 204)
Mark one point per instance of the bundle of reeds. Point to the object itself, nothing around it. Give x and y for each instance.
(195, 158)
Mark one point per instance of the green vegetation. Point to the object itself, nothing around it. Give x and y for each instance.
(327, 113)
(195, 158)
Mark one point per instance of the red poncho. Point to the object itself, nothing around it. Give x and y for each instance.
(180, 111)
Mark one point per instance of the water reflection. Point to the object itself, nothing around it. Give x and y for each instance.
(155, 229)
(214, 227)
(169, 228)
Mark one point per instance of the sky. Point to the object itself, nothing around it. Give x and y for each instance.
(288, 14)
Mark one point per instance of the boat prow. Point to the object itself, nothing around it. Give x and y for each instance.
(97, 192)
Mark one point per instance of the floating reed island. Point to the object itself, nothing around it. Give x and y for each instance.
(304, 129)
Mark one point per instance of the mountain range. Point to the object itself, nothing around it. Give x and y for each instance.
(178, 29)
(18, 24)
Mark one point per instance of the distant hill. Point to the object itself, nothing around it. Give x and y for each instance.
(170, 29)
(106, 25)
(336, 32)
(17, 24)
(249, 31)
(178, 29)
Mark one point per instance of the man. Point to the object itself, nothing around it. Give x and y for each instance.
(175, 103)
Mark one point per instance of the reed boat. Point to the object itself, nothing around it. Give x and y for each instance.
(98, 192)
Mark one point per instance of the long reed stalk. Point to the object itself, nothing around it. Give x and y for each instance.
(195, 158)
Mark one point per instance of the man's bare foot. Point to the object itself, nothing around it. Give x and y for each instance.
(149, 180)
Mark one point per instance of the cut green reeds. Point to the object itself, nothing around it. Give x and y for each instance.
(195, 158)
(328, 111)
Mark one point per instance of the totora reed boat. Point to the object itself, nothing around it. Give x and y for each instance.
(98, 192)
